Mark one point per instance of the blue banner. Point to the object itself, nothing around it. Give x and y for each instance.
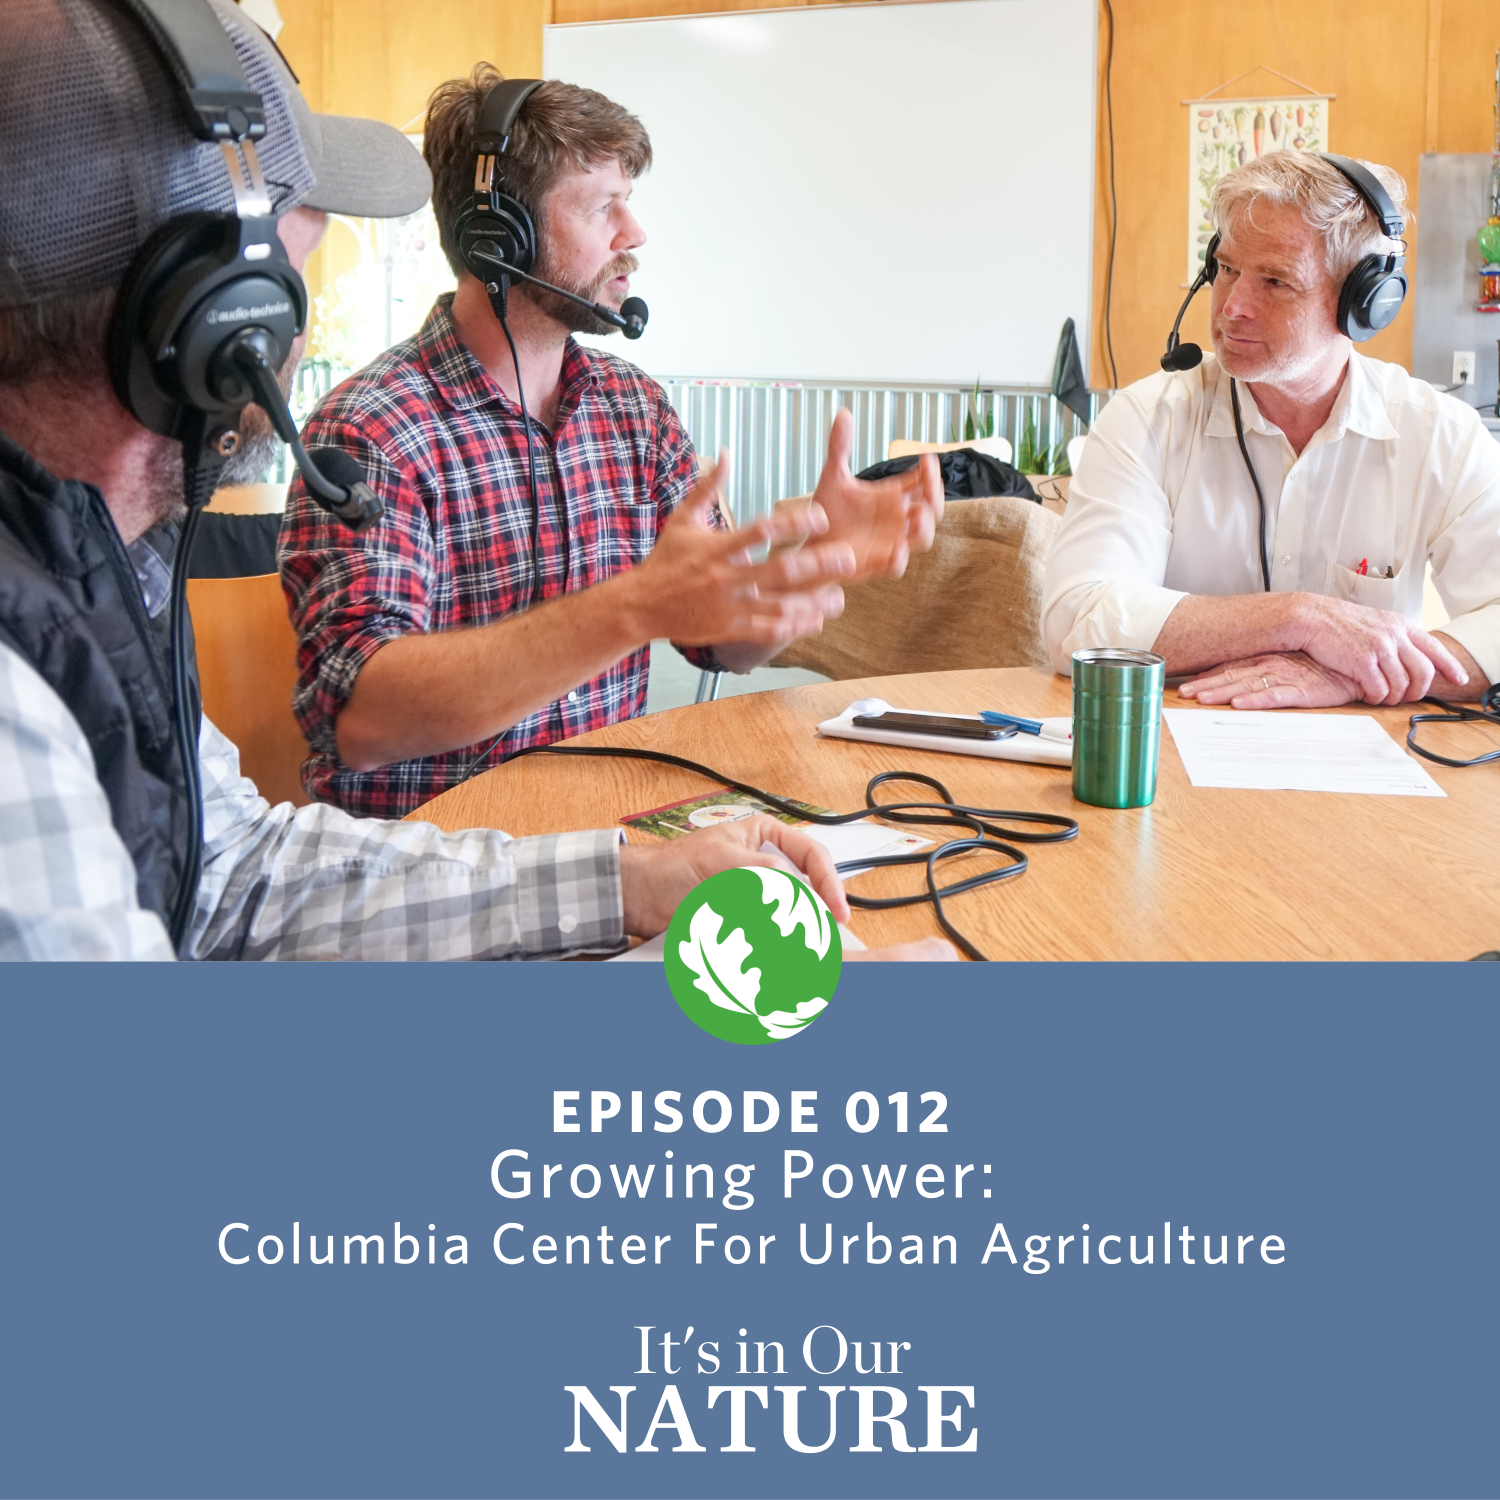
(981, 1230)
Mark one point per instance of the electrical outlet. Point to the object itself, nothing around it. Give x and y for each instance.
(1463, 366)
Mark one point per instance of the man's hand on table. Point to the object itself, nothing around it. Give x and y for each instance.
(1279, 680)
(654, 878)
(1334, 652)
(882, 520)
(1381, 652)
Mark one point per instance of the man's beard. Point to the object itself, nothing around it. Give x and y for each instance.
(574, 318)
(252, 460)
(1278, 369)
(249, 464)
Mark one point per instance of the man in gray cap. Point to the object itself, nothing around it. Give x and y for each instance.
(94, 800)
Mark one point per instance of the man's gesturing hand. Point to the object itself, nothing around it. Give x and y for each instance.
(699, 584)
(883, 520)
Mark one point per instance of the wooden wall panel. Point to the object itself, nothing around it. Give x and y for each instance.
(1170, 50)
(382, 57)
(1466, 74)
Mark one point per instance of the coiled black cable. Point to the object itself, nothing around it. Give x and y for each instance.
(983, 823)
(1488, 712)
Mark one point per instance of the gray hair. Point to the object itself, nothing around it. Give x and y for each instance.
(1329, 202)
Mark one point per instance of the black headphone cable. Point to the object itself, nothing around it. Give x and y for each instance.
(1260, 499)
(198, 482)
(498, 300)
(982, 823)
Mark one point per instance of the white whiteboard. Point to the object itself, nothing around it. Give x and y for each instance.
(896, 193)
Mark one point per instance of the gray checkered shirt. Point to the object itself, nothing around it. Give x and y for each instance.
(278, 882)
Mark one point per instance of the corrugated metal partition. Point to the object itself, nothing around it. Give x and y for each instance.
(777, 434)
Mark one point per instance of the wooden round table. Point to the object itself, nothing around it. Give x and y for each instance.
(1202, 873)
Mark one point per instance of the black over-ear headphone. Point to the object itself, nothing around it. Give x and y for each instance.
(494, 225)
(1372, 292)
(209, 307)
(204, 281)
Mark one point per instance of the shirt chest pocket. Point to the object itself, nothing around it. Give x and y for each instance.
(638, 529)
(1367, 589)
(609, 539)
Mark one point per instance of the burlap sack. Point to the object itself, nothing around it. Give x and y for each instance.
(973, 600)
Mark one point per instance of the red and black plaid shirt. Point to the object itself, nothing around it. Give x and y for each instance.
(444, 448)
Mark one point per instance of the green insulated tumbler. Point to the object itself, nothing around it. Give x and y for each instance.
(1116, 725)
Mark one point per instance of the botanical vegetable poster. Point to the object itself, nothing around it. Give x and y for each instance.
(1224, 134)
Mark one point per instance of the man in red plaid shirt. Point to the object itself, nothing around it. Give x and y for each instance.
(441, 640)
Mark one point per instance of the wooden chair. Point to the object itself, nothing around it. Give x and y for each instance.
(249, 500)
(247, 664)
(973, 600)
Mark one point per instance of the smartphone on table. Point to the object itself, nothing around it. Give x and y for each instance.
(944, 724)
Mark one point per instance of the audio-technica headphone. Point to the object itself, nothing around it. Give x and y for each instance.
(493, 223)
(209, 307)
(1374, 290)
(207, 290)
(1371, 294)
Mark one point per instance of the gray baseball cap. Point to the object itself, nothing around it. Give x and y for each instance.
(98, 152)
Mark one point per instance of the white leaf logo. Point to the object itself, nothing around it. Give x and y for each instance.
(796, 906)
(782, 1023)
(720, 966)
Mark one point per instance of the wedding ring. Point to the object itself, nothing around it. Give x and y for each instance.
(1265, 684)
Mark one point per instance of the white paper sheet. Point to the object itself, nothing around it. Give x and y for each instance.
(851, 843)
(1299, 752)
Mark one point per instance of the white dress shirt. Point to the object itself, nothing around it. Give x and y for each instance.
(1162, 506)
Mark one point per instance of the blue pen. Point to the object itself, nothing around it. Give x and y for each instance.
(1026, 726)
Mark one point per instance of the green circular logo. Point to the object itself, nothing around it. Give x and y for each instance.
(753, 955)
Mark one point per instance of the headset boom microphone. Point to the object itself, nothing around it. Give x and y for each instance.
(1180, 356)
(630, 320)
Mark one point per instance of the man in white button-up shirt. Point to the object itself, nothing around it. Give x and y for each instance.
(1367, 474)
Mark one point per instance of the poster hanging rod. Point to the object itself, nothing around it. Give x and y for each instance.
(1212, 95)
(1249, 98)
